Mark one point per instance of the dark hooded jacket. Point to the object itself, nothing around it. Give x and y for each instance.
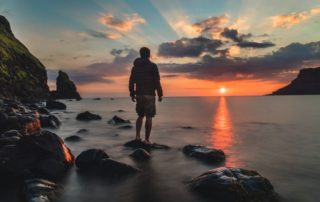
(145, 76)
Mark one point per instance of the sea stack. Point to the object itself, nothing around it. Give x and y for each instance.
(66, 89)
(306, 83)
(22, 75)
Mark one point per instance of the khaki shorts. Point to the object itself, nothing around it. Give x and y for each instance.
(146, 105)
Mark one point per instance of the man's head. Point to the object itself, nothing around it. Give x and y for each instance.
(144, 52)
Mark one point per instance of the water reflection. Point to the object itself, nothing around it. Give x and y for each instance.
(222, 135)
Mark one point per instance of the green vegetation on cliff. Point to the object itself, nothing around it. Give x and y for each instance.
(21, 74)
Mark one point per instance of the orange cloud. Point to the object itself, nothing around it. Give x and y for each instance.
(288, 20)
(125, 24)
(211, 25)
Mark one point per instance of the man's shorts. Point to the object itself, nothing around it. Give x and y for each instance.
(146, 105)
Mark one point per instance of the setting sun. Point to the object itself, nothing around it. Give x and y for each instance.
(222, 90)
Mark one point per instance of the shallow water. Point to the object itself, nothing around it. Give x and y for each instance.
(279, 136)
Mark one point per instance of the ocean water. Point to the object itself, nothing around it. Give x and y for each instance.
(279, 136)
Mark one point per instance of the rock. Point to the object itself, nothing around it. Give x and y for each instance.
(120, 110)
(187, 127)
(39, 190)
(117, 120)
(55, 105)
(97, 98)
(43, 110)
(233, 184)
(35, 150)
(50, 168)
(306, 83)
(209, 155)
(82, 131)
(66, 89)
(112, 168)
(22, 75)
(136, 144)
(87, 116)
(90, 158)
(140, 155)
(73, 138)
(25, 123)
(126, 127)
(49, 121)
(11, 133)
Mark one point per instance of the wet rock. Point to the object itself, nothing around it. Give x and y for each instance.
(88, 116)
(39, 190)
(43, 110)
(82, 131)
(50, 168)
(55, 105)
(97, 98)
(187, 127)
(120, 110)
(140, 155)
(90, 158)
(233, 184)
(73, 138)
(49, 121)
(117, 120)
(209, 155)
(136, 144)
(126, 127)
(112, 168)
(10, 133)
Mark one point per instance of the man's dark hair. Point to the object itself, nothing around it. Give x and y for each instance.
(144, 52)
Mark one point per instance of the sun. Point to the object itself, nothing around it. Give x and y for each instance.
(222, 90)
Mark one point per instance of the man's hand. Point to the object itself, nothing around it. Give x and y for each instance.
(159, 99)
(133, 98)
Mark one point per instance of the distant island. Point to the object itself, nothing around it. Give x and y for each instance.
(306, 83)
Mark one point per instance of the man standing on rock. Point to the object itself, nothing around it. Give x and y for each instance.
(144, 81)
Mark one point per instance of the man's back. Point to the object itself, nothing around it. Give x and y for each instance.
(145, 75)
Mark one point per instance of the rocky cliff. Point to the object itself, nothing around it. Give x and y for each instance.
(66, 89)
(21, 74)
(306, 83)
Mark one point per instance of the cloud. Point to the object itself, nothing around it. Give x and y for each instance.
(102, 72)
(271, 66)
(211, 25)
(126, 24)
(189, 47)
(252, 44)
(104, 35)
(288, 20)
(234, 35)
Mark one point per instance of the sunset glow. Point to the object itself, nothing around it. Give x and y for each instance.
(222, 90)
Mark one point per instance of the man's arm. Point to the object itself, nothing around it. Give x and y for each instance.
(158, 83)
(131, 84)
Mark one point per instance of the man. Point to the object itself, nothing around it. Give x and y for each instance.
(144, 81)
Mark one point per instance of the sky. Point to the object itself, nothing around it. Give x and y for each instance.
(248, 47)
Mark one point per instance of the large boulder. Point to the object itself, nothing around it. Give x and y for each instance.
(140, 155)
(44, 155)
(49, 121)
(55, 105)
(136, 144)
(233, 184)
(22, 75)
(66, 89)
(117, 120)
(88, 116)
(90, 158)
(207, 154)
(112, 168)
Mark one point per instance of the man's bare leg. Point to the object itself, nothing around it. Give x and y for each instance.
(138, 127)
(148, 128)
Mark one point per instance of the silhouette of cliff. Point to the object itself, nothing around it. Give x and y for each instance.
(66, 89)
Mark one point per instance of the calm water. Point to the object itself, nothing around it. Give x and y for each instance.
(277, 136)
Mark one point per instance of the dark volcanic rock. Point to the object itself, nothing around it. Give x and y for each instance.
(140, 155)
(66, 89)
(49, 121)
(90, 158)
(51, 104)
(234, 184)
(88, 116)
(82, 131)
(73, 138)
(136, 144)
(117, 120)
(39, 190)
(204, 153)
(112, 168)
(21, 74)
(307, 83)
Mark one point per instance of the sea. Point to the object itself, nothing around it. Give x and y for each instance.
(278, 136)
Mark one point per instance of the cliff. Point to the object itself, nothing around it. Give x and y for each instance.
(21, 74)
(66, 89)
(306, 83)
